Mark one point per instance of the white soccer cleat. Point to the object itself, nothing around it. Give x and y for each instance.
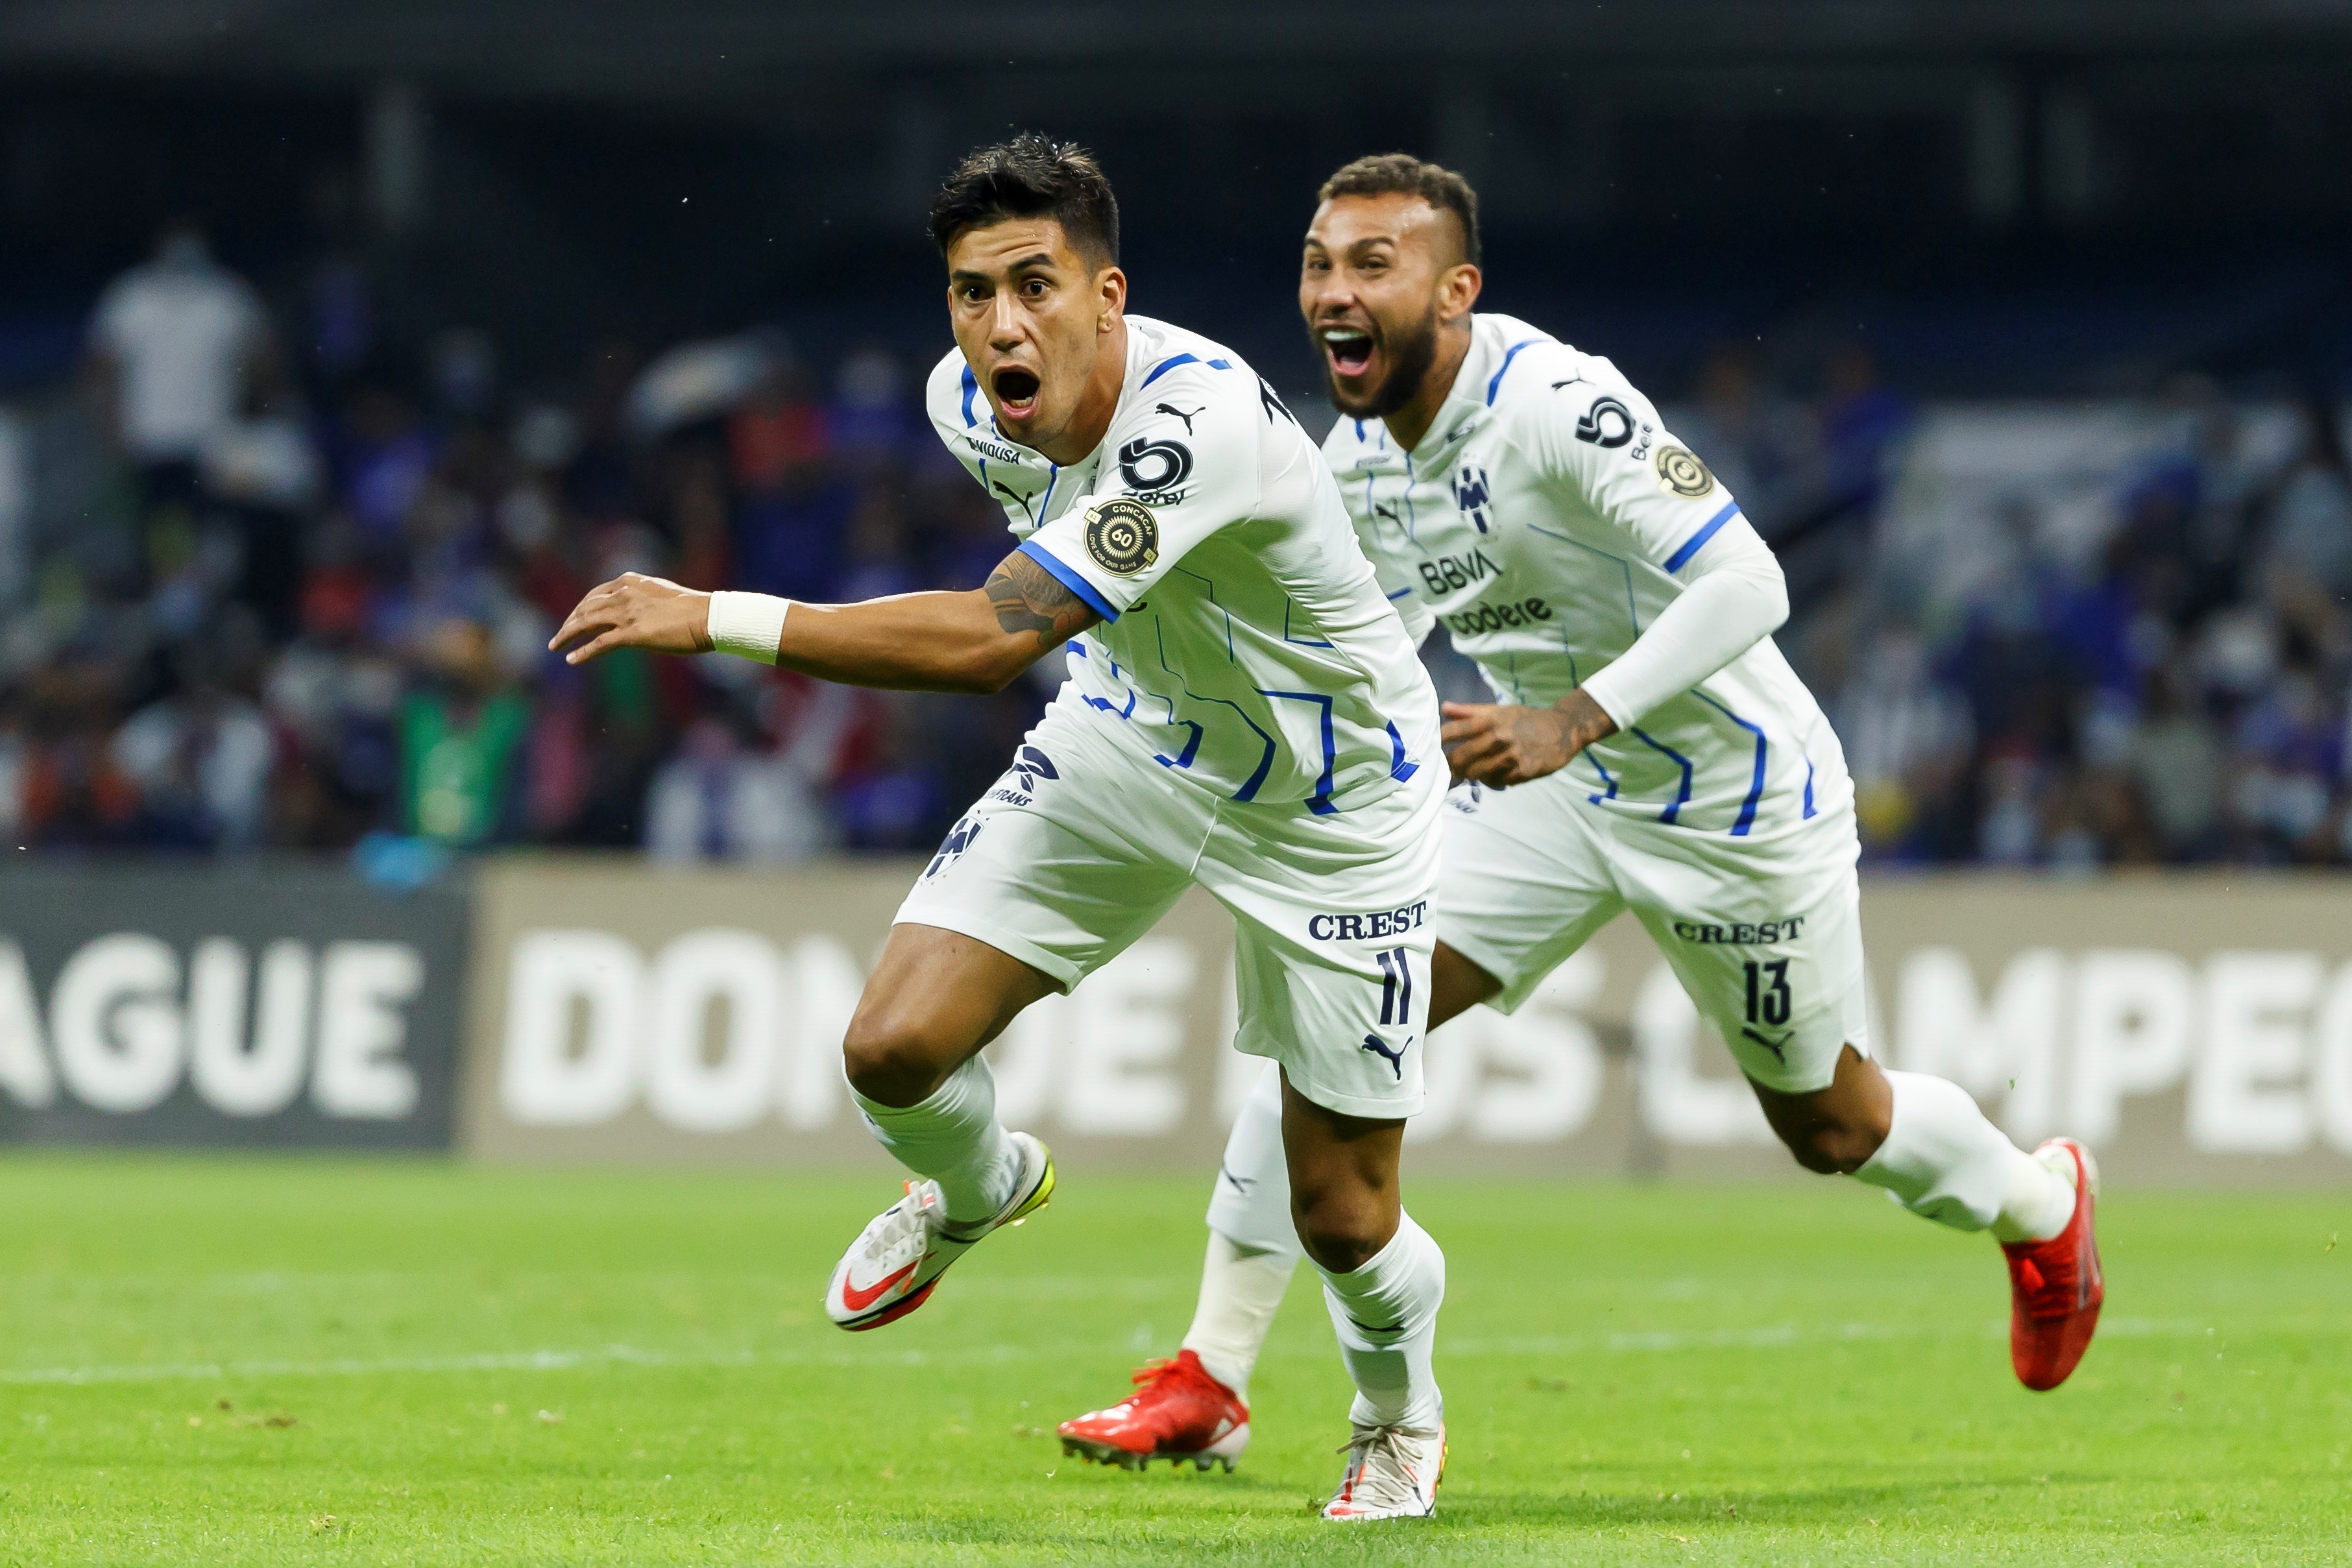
(1392, 1473)
(890, 1268)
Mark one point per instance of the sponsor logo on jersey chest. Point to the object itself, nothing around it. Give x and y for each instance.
(1452, 573)
(1122, 535)
(996, 449)
(1496, 617)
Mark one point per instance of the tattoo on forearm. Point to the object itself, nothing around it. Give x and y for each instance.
(1028, 598)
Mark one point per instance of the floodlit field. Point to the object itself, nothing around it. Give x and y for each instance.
(311, 1361)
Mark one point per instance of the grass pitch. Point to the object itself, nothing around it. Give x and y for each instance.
(328, 1361)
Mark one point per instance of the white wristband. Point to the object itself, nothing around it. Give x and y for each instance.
(748, 626)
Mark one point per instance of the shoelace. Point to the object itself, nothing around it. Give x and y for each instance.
(1171, 1371)
(1152, 1371)
(1402, 1483)
(905, 1217)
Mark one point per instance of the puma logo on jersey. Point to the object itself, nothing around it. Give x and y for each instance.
(1172, 410)
(1272, 404)
(1395, 1059)
(1471, 495)
(1779, 1048)
(1017, 498)
(1453, 573)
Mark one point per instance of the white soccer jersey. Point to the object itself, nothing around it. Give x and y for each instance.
(1543, 521)
(1245, 645)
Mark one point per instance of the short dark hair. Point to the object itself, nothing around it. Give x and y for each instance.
(1403, 175)
(1031, 177)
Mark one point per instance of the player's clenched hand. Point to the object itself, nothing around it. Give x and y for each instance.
(635, 610)
(1502, 744)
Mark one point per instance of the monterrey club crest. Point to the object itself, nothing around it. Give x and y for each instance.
(1680, 472)
(1123, 535)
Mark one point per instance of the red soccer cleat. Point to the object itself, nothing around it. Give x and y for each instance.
(1178, 1412)
(2056, 1287)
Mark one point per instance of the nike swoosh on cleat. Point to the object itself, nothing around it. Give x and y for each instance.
(858, 1300)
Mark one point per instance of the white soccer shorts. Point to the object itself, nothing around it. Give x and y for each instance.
(1083, 843)
(1764, 934)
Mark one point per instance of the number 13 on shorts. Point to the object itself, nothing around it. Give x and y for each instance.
(1768, 992)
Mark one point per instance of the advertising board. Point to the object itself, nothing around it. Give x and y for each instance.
(2193, 1028)
(255, 1004)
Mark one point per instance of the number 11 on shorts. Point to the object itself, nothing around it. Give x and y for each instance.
(1396, 986)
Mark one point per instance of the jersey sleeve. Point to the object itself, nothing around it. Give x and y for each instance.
(1595, 435)
(951, 397)
(1182, 462)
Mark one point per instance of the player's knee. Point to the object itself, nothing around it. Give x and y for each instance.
(1838, 1145)
(1342, 1232)
(891, 1061)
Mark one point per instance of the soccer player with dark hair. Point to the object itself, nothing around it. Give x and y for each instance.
(1244, 713)
(1649, 750)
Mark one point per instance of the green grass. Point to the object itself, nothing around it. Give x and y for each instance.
(230, 1361)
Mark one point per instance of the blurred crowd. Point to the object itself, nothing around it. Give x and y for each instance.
(2104, 635)
(265, 584)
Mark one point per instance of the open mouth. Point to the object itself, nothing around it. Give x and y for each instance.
(1016, 392)
(1349, 350)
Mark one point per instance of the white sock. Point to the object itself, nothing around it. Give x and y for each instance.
(1386, 1316)
(1944, 1161)
(954, 1138)
(2035, 1210)
(1240, 1289)
(1250, 1204)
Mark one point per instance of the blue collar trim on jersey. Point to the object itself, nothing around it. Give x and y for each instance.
(1503, 370)
(971, 389)
(1166, 365)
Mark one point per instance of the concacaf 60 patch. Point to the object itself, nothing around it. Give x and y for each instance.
(1680, 472)
(1122, 536)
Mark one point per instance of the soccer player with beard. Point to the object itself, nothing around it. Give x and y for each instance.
(1244, 713)
(1649, 750)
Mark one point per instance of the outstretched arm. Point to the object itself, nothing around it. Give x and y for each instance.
(974, 642)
